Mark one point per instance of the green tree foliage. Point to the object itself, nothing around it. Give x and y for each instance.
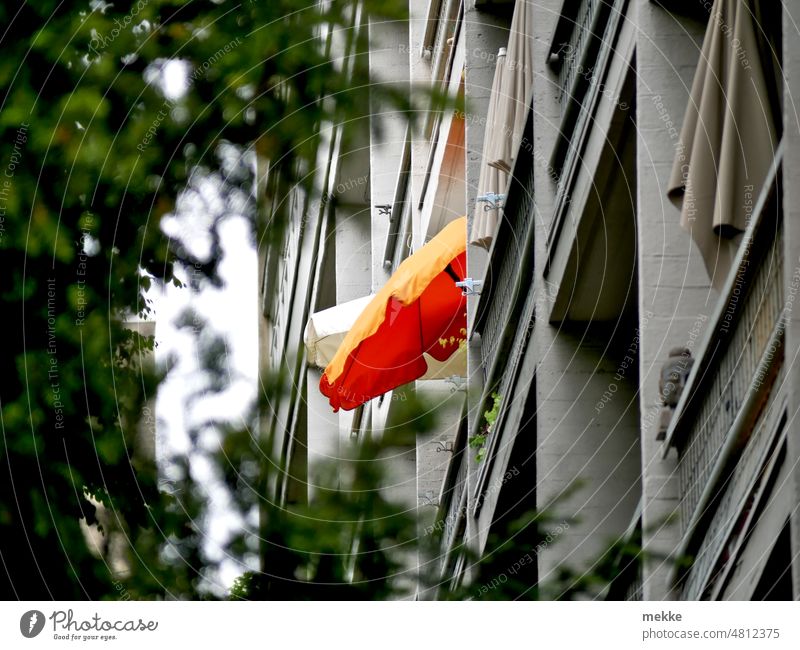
(94, 154)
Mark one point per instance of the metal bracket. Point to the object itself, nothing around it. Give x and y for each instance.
(457, 381)
(493, 201)
(468, 285)
(428, 499)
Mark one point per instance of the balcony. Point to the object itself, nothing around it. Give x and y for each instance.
(576, 40)
(505, 306)
(441, 32)
(727, 425)
(451, 519)
(587, 40)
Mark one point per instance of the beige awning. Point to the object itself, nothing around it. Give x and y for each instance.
(515, 90)
(491, 179)
(728, 139)
(326, 329)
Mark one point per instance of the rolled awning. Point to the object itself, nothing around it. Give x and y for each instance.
(515, 90)
(326, 331)
(419, 311)
(491, 180)
(729, 136)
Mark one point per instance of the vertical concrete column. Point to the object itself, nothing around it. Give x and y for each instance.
(791, 234)
(546, 124)
(587, 457)
(389, 65)
(353, 252)
(353, 272)
(323, 430)
(675, 296)
(419, 66)
(433, 455)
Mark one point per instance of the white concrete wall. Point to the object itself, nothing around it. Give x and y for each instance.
(673, 283)
(389, 63)
(323, 429)
(587, 461)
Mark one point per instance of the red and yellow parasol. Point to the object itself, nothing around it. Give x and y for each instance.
(419, 311)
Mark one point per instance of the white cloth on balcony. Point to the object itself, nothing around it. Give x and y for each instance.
(326, 329)
(728, 139)
(515, 90)
(491, 179)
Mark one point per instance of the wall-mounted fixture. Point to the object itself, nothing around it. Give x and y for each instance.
(493, 201)
(442, 445)
(468, 285)
(457, 382)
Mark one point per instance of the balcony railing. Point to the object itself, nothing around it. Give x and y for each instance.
(504, 269)
(451, 520)
(710, 561)
(456, 511)
(581, 50)
(727, 391)
(575, 39)
(442, 26)
(506, 304)
(726, 422)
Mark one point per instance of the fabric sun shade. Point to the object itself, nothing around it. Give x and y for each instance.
(728, 139)
(418, 311)
(326, 330)
(491, 179)
(515, 90)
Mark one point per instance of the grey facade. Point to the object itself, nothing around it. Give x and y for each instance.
(589, 283)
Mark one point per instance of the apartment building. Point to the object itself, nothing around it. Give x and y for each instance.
(623, 168)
